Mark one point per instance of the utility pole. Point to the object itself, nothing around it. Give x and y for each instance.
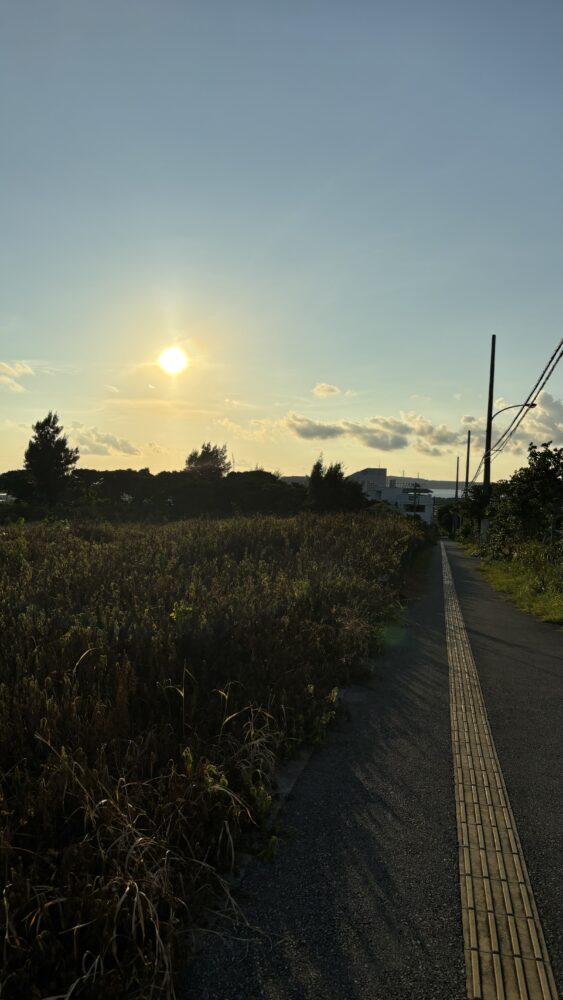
(455, 515)
(467, 462)
(488, 438)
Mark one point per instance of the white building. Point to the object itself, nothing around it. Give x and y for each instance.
(409, 500)
(373, 482)
(6, 498)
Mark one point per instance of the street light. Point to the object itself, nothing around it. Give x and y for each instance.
(515, 406)
(489, 449)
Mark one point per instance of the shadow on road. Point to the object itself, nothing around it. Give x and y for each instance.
(362, 899)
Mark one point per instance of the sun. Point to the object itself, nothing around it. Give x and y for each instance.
(173, 360)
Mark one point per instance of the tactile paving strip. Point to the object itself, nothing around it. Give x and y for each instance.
(505, 952)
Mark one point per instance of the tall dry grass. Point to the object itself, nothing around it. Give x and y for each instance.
(150, 678)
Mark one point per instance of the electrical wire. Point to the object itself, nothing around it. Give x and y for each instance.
(501, 444)
(538, 387)
(532, 395)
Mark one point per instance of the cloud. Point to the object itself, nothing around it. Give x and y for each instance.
(11, 383)
(156, 448)
(428, 449)
(324, 389)
(15, 368)
(543, 423)
(111, 388)
(305, 428)
(381, 433)
(91, 441)
(377, 435)
(11, 371)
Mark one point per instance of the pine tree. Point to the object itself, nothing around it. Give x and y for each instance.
(49, 459)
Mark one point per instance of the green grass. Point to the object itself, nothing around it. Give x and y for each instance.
(531, 580)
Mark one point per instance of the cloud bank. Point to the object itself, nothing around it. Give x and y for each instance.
(412, 429)
(381, 433)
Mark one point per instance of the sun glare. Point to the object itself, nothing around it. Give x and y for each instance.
(173, 360)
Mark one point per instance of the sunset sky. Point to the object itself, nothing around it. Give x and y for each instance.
(329, 206)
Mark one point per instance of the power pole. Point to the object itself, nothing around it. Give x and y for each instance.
(467, 462)
(488, 438)
(455, 514)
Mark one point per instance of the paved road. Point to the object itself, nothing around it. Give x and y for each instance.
(520, 664)
(363, 899)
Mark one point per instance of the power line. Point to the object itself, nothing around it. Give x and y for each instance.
(503, 440)
(530, 397)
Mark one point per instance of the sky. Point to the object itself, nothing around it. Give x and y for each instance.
(329, 205)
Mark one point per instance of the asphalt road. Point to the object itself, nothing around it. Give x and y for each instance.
(362, 900)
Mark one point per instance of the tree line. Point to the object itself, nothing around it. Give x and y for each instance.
(50, 483)
(527, 507)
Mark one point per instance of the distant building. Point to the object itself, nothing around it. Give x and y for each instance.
(373, 481)
(6, 498)
(409, 499)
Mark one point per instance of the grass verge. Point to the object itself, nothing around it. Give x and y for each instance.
(533, 579)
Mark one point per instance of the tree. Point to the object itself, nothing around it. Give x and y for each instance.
(529, 505)
(329, 490)
(210, 462)
(49, 459)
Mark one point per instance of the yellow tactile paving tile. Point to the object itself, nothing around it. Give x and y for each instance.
(505, 952)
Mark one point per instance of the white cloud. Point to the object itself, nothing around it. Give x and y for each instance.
(324, 389)
(11, 372)
(91, 441)
(111, 388)
(11, 383)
